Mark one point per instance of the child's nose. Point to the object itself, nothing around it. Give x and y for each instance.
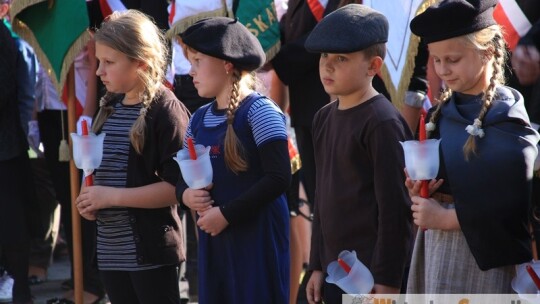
(99, 70)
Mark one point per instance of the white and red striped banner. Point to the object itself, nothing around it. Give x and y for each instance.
(512, 18)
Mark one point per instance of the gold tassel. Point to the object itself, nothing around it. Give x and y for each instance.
(63, 151)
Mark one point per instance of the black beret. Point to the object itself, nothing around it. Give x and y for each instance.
(227, 39)
(351, 28)
(453, 18)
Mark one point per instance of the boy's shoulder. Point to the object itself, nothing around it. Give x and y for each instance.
(325, 111)
(381, 109)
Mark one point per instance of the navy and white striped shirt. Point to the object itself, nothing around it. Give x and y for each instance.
(264, 117)
(115, 239)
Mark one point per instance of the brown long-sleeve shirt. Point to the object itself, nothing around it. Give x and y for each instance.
(361, 202)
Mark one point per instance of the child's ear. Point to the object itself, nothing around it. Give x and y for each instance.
(375, 65)
(228, 67)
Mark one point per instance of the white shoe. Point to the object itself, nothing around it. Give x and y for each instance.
(6, 289)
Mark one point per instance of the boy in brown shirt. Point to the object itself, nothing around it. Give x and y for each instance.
(361, 202)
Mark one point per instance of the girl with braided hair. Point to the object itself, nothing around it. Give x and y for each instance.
(139, 243)
(243, 218)
(477, 216)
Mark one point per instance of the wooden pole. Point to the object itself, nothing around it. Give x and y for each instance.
(75, 188)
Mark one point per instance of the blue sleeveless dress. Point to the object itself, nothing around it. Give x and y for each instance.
(247, 262)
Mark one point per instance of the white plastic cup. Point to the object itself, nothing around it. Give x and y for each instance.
(87, 151)
(358, 281)
(523, 284)
(422, 158)
(197, 173)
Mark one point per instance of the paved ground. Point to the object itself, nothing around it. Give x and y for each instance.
(58, 272)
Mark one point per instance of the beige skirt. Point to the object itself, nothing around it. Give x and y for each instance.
(442, 263)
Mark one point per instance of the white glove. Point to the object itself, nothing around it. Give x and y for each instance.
(34, 138)
(88, 122)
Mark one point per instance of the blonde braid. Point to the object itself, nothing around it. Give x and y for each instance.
(234, 151)
(497, 78)
(445, 96)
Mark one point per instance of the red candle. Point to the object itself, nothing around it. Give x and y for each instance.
(533, 276)
(191, 148)
(344, 265)
(88, 180)
(424, 190)
(422, 133)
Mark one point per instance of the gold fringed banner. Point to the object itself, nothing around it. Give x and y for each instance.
(18, 6)
(181, 25)
(397, 94)
(26, 34)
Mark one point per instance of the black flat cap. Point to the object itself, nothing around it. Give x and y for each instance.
(227, 39)
(453, 18)
(351, 28)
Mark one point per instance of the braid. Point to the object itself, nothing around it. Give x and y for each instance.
(105, 110)
(234, 151)
(497, 78)
(445, 96)
(136, 134)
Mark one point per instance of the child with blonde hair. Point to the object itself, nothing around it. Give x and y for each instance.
(477, 218)
(139, 243)
(243, 217)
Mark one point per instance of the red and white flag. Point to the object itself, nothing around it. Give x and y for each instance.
(510, 15)
(317, 7)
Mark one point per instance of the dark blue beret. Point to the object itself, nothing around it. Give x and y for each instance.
(351, 28)
(453, 18)
(227, 39)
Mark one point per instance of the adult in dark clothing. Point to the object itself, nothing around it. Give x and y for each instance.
(299, 69)
(526, 65)
(157, 9)
(14, 173)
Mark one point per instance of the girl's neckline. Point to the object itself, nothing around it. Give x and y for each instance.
(216, 111)
(462, 98)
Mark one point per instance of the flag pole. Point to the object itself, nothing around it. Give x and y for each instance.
(75, 188)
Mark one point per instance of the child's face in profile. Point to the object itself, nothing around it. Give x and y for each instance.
(209, 74)
(459, 66)
(117, 72)
(344, 74)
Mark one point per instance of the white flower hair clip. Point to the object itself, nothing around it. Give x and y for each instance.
(102, 102)
(430, 126)
(476, 128)
(143, 111)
